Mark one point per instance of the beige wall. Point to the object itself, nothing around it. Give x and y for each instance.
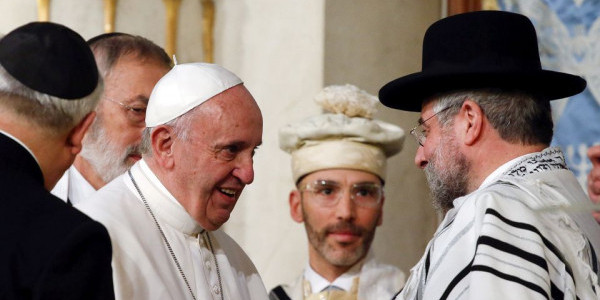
(286, 51)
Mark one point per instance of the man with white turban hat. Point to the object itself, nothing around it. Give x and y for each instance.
(339, 166)
(164, 214)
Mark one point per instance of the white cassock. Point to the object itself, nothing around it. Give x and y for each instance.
(143, 268)
(375, 281)
(519, 236)
(73, 186)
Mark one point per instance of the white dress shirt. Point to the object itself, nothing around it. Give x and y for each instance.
(73, 186)
(376, 280)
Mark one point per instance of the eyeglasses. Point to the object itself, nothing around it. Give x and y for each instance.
(135, 114)
(419, 133)
(328, 193)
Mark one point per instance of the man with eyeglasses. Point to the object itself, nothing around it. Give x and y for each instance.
(513, 226)
(338, 165)
(130, 66)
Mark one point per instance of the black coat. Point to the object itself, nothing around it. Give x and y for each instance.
(48, 249)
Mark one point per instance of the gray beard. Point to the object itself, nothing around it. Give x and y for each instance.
(107, 160)
(447, 174)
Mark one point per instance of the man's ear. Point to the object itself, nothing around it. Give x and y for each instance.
(296, 206)
(75, 136)
(162, 141)
(472, 120)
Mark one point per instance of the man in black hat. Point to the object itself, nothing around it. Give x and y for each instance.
(511, 230)
(48, 90)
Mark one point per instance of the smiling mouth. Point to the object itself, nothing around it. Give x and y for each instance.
(228, 192)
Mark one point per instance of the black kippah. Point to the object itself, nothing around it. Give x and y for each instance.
(51, 59)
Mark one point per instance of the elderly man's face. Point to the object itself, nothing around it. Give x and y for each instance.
(112, 144)
(339, 235)
(215, 163)
(446, 167)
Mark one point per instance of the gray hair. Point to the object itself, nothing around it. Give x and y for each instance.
(518, 117)
(54, 114)
(181, 129)
(109, 48)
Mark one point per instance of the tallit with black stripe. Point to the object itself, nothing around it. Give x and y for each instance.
(511, 239)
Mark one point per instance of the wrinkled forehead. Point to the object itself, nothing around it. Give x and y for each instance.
(232, 114)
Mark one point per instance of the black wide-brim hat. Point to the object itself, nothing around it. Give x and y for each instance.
(484, 49)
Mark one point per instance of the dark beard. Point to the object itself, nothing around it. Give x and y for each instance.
(318, 240)
(450, 181)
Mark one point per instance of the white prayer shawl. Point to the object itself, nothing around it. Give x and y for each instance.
(376, 281)
(508, 240)
(73, 186)
(143, 268)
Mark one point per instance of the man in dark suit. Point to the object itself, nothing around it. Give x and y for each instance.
(49, 87)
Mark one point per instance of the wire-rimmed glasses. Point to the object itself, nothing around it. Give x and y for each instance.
(135, 114)
(419, 133)
(328, 193)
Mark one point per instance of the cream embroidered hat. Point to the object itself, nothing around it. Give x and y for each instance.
(345, 136)
(184, 87)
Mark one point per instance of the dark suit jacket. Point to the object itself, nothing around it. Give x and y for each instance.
(48, 249)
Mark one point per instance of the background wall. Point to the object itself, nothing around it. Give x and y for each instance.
(286, 52)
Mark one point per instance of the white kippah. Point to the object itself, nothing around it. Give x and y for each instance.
(185, 87)
(344, 137)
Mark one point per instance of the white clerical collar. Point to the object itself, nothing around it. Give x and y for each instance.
(344, 281)
(78, 188)
(156, 182)
(161, 201)
(22, 144)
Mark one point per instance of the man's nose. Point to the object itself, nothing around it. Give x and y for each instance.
(345, 208)
(245, 170)
(420, 160)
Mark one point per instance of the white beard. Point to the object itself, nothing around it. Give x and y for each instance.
(103, 155)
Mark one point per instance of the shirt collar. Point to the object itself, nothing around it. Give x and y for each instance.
(78, 188)
(499, 171)
(161, 201)
(493, 177)
(344, 281)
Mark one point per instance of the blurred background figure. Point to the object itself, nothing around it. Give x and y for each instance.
(593, 179)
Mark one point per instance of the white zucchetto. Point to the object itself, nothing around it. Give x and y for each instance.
(184, 87)
(343, 137)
